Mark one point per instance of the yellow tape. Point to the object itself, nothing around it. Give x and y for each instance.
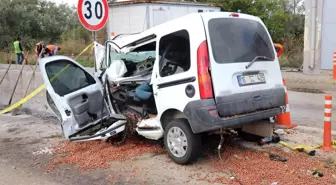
(22, 101)
(333, 143)
(299, 146)
(38, 90)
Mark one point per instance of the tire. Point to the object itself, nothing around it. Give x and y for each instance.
(190, 152)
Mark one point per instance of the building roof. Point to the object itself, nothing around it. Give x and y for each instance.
(120, 3)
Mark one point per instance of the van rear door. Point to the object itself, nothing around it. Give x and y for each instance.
(240, 85)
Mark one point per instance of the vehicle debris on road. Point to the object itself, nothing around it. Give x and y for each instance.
(317, 173)
(275, 157)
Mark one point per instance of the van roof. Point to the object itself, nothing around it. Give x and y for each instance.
(183, 20)
(174, 2)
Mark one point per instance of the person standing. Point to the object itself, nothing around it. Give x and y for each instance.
(39, 49)
(18, 50)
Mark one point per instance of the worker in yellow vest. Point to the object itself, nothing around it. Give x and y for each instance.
(18, 50)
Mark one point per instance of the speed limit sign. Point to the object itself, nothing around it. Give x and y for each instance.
(93, 14)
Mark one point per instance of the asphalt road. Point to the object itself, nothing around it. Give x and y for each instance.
(307, 109)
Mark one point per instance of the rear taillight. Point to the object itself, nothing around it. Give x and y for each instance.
(204, 79)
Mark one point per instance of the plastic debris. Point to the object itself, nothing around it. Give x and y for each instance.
(45, 150)
(265, 140)
(317, 174)
(280, 133)
(275, 157)
(311, 152)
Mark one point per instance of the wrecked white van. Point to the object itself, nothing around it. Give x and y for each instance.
(197, 74)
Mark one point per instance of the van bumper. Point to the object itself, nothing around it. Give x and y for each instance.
(201, 120)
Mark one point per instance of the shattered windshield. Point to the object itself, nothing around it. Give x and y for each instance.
(139, 54)
(132, 56)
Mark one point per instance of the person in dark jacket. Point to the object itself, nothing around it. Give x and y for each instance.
(39, 49)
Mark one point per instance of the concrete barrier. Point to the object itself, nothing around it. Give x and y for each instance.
(35, 106)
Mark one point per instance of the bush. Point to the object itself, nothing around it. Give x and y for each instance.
(293, 54)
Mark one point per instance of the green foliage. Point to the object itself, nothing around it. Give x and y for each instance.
(33, 21)
(283, 18)
(78, 33)
(36, 20)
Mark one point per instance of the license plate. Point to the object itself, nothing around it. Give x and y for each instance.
(251, 79)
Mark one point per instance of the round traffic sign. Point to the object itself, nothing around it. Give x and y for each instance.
(93, 14)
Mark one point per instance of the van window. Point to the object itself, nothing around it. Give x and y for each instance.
(236, 40)
(174, 51)
(66, 77)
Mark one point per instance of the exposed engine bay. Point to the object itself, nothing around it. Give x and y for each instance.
(124, 76)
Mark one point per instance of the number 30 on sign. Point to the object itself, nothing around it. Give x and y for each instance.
(93, 14)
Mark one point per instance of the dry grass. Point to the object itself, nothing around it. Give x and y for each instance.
(293, 55)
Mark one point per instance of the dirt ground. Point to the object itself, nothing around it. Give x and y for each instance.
(27, 153)
(299, 81)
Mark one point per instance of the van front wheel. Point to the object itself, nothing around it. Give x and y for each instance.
(181, 143)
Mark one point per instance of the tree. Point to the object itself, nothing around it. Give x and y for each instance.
(283, 18)
(34, 20)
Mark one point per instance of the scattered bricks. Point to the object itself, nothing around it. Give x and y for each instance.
(260, 168)
(97, 154)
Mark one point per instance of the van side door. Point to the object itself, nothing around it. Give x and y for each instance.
(174, 78)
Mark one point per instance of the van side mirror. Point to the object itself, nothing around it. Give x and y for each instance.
(278, 48)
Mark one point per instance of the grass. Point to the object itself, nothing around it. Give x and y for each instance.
(292, 62)
(86, 63)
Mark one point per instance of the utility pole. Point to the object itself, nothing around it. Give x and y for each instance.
(312, 35)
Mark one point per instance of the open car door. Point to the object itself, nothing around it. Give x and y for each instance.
(77, 98)
(99, 51)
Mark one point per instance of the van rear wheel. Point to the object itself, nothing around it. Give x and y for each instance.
(182, 144)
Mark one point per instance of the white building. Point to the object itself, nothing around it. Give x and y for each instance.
(320, 35)
(126, 17)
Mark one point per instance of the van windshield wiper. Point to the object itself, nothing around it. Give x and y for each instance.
(257, 58)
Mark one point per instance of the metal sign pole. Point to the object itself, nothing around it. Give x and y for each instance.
(94, 54)
(93, 14)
